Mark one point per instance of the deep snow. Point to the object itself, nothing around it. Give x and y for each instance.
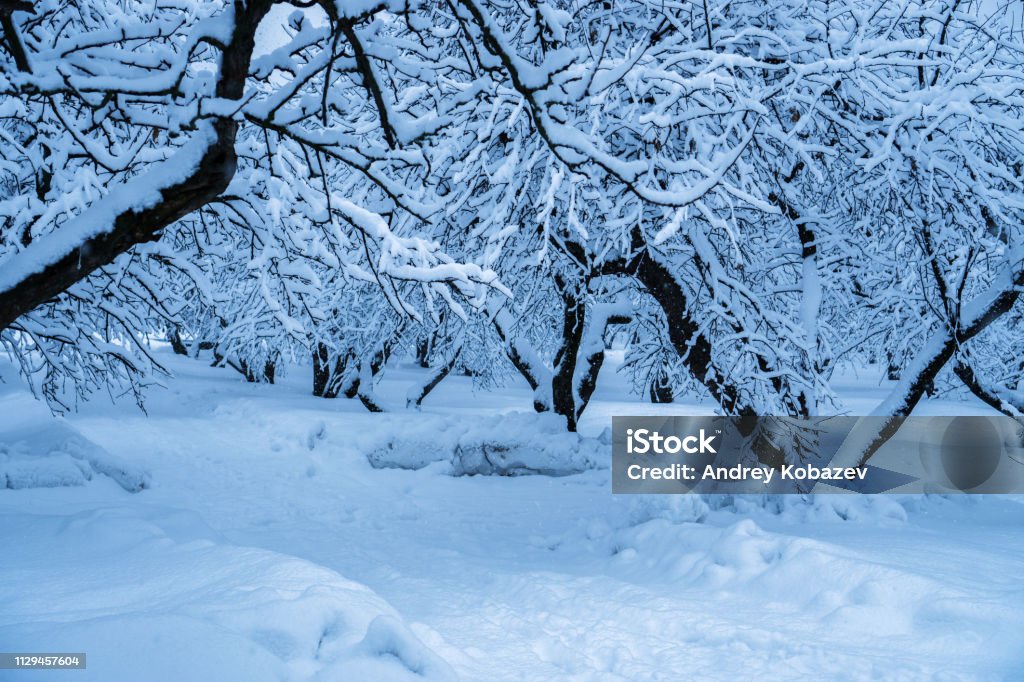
(265, 546)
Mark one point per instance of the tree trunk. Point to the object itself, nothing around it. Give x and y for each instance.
(177, 345)
(574, 317)
(419, 393)
(868, 437)
(660, 390)
(321, 370)
(423, 352)
(684, 332)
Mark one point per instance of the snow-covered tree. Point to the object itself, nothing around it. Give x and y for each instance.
(754, 192)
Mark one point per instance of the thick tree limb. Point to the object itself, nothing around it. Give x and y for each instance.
(113, 225)
(417, 394)
(11, 36)
(997, 397)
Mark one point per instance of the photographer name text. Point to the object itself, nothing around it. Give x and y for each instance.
(646, 442)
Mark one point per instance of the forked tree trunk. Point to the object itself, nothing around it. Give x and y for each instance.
(987, 307)
(326, 373)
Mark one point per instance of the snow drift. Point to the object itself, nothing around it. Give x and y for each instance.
(152, 603)
(514, 444)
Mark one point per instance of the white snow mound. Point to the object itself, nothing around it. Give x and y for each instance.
(513, 444)
(52, 454)
(147, 606)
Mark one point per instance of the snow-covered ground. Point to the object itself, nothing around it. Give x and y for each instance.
(264, 546)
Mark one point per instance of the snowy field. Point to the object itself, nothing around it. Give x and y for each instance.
(264, 546)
